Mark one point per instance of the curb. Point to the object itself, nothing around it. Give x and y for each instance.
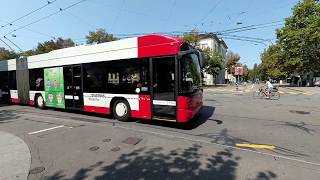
(15, 157)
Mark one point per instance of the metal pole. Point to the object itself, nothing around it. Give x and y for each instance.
(237, 81)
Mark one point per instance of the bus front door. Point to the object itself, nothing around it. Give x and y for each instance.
(164, 100)
(73, 87)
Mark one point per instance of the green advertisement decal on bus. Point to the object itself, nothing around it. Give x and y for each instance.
(54, 87)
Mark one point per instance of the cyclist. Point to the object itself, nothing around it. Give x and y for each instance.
(268, 88)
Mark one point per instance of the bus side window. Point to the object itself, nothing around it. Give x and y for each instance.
(4, 83)
(95, 78)
(12, 80)
(128, 76)
(36, 79)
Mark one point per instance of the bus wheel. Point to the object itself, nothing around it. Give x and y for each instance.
(39, 102)
(121, 110)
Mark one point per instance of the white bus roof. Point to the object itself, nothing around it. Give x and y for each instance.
(8, 65)
(136, 47)
(121, 49)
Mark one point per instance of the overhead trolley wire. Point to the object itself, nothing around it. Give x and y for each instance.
(26, 15)
(250, 27)
(246, 37)
(6, 44)
(204, 19)
(13, 43)
(247, 40)
(31, 30)
(46, 17)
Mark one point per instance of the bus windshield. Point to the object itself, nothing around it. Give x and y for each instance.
(190, 73)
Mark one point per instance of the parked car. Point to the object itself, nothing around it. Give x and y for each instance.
(317, 83)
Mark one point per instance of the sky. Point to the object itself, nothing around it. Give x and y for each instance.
(121, 17)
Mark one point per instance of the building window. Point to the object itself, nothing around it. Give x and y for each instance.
(204, 46)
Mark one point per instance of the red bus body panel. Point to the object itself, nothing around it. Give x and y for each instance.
(144, 111)
(158, 45)
(188, 107)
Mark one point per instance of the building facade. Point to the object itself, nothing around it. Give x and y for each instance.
(216, 44)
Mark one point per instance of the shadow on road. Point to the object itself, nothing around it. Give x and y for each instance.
(7, 116)
(299, 126)
(204, 115)
(223, 137)
(156, 163)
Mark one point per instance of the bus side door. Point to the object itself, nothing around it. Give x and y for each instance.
(164, 82)
(73, 87)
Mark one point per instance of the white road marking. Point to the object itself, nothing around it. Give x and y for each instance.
(199, 141)
(43, 130)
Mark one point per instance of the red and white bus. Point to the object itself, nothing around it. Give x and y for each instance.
(147, 77)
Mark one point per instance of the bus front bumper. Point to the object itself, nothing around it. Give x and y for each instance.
(188, 107)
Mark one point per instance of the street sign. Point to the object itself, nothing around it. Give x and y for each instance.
(238, 70)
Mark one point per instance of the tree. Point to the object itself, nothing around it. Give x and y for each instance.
(245, 72)
(51, 45)
(253, 74)
(6, 54)
(193, 38)
(99, 36)
(231, 60)
(271, 63)
(299, 38)
(213, 62)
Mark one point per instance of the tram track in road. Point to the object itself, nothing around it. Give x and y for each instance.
(231, 147)
(157, 128)
(167, 132)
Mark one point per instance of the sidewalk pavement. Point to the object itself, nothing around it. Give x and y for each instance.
(15, 157)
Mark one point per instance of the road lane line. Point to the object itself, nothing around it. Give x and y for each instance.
(223, 145)
(43, 130)
(256, 146)
(205, 142)
(294, 93)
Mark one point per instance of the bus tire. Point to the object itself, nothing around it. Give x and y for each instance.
(121, 110)
(39, 102)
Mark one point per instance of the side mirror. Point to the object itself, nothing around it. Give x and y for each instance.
(200, 57)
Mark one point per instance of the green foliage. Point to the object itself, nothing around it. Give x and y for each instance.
(51, 45)
(271, 65)
(6, 54)
(245, 72)
(297, 50)
(213, 62)
(254, 73)
(192, 38)
(231, 60)
(299, 39)
(99, 36)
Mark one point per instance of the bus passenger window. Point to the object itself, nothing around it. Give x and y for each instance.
(36, 79)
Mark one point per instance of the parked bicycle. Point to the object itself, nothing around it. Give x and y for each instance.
(274, 94)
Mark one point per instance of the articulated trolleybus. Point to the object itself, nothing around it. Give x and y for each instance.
(146, 77)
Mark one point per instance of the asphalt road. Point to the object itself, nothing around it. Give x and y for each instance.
(69, 145)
